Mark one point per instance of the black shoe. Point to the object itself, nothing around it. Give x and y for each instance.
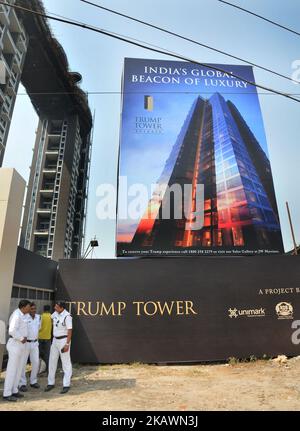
(23, 388)
(35, 386)
(18, 395)
(65, 389)
(11, 399)
(49, 388)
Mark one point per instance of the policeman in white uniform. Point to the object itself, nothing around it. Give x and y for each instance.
(32, 350)
(16, 347)
(62, 334)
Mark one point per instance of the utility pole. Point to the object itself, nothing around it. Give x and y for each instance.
(292, 228)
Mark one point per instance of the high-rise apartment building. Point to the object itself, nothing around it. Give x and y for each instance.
(55, 210)
(13, 48)
(54, 218)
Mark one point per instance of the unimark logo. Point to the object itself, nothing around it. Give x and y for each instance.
(233, 313)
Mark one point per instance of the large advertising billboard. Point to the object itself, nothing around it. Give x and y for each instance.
(194, 170)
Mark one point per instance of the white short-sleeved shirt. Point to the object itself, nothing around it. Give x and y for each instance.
(2, 332)
(18, 325)
(62, 322)
(33, 327)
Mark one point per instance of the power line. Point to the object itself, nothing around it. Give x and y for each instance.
(164, 30)
(128, 37)
(95, 93)
(260, 17)
(160, 51)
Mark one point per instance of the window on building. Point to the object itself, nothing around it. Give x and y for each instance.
(23, 293)
(237, 235)
(15, 292)
(234, 182)
(46, 296)
(31, 294)
(39, 295)
(251, 196)
(206, 242)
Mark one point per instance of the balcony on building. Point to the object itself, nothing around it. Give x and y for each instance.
(2, 148)
(4, 12)
(42, 226)
(53, 142)
(80, 183)
(14, 78)
(22, 43)
(78, 217)
(47, 187)
(52, 153)
(5, 115)
(41, 246)
(45, 205)
(41, 232)
(3, 125)
(17, 61)
(55, 128)
(2, 30)
(11, 88)
(11, 85)
(44, 211)
(15, 25)
(7, 102)
(9, 46)
(49, 172)
(50, 169)
(2, 95)
(76, 241)
(7, 60)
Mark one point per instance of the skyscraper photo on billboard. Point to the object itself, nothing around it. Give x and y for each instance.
(188, 125)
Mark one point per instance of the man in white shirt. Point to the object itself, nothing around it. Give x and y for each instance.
(2, 332)
(16, 347)
(32, 350)
(62, 334)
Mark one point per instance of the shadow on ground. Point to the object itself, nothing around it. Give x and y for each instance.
(80, 385)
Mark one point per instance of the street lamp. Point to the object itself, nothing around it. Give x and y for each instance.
(90, 248)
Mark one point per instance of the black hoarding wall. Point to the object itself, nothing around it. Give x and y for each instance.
(34, 270)
(182, 309)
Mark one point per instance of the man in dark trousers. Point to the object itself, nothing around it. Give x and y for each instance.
(45, 335)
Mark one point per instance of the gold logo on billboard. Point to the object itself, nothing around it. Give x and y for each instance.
(149, 103)
(284, 310)
(234, 313)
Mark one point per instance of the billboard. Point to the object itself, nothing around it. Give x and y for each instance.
(194, 170)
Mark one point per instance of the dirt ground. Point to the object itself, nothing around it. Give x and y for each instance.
(257, 385)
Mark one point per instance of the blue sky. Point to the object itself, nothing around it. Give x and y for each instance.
(100, 60)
